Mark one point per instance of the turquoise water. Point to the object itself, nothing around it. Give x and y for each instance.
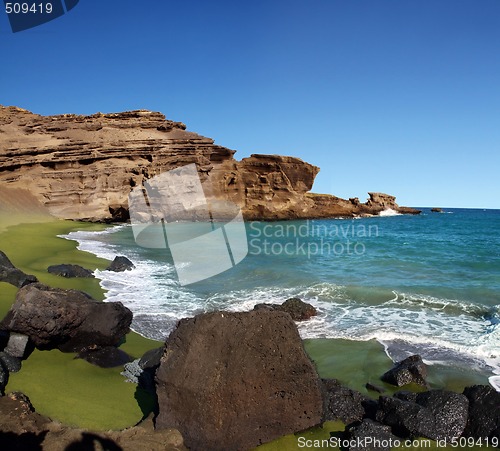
(427, 284)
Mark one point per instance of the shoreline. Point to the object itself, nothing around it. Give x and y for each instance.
(51, 378)
(56, 381)
(392, 347)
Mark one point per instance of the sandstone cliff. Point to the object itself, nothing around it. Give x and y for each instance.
(83, 167)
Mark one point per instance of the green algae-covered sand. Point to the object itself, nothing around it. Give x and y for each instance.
(69, 390)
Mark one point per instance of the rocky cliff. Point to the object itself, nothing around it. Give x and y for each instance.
(84, 167)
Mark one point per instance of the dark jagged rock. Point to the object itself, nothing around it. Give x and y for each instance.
(4, 338)
(142, 371)
(120, 264)
(70, 271)
(66, 319)
(152, 358)
(295, 307)
(449, 411)
(105, 357)
(236, 380)
(10, 363)
(149, 363)
(409, 370)
(344, 404)
(10, 274)
(370, 436)
(18, 345)
(435, 414)
(437, 210)
(406, 418)
(484, 412)
(298, 309)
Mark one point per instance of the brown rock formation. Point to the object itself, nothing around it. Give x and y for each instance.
(83, 167)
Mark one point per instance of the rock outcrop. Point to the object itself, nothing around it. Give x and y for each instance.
(84, 167)
(236, 380)
(69, 320)
(484, 412)
(435, 414)
(410, 370)
(295, 307)
(344, 404)
(120, 264)
(66, 270)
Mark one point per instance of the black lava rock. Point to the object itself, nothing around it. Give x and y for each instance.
(10, 363)
(105, 357)
(436, 414)
(484, 412)
(343, 403)
(120, 264)
(70, 271)
(371, 436)
(411, 369)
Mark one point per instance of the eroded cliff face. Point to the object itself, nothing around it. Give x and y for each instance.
(84, 167)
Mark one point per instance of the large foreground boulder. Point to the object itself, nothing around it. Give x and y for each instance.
(10, 274)
(236, 380)
(66, 319)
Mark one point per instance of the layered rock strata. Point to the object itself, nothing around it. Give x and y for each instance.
(84, 167)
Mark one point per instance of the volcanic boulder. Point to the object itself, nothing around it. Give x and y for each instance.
(411, 369)
(344, 404)
(66, 270)
(66, 319)
(484, 412)
(120, 264)
(236, 380)
(435, 414)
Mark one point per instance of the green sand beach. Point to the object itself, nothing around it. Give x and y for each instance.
(76, 393)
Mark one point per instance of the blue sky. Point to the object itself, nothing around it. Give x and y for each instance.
(398, 96)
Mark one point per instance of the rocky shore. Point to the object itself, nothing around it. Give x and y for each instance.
(84, 167)
(223, 381)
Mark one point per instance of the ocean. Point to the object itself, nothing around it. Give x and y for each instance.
(427, 284)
